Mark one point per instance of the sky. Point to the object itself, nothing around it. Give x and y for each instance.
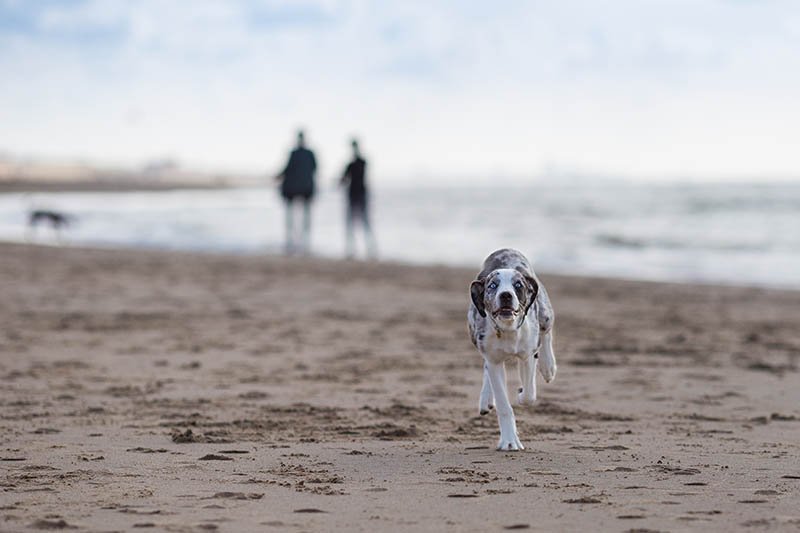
(435, 90)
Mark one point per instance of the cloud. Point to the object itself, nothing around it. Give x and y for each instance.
(652, 89)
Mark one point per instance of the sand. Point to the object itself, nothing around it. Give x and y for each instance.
(185, 392)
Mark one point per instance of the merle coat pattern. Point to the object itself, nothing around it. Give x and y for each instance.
(510, 319)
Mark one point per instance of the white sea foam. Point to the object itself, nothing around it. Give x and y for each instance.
(742, 234)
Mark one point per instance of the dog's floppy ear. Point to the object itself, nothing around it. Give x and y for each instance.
(533, 287)
(476, 290)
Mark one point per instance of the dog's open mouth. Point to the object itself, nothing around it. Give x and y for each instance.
(505, 312)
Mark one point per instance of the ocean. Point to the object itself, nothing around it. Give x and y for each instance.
(742, 234)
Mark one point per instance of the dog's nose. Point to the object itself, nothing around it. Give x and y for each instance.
(505, 298)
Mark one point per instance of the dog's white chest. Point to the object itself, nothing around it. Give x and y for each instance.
(508, 344)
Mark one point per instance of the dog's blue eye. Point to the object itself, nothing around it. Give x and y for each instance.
(493, 285)
(518, 285)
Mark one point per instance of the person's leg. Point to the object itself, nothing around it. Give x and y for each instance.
(306, 224)
(369, 237)
(289, 245)
(350, 238)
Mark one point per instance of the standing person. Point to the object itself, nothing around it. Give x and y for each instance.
(354, 179)
(297, 181)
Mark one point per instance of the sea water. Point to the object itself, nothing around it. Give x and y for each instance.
(744, 234)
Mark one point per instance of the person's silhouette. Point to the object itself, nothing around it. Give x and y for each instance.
(297, 181)
(357, 201)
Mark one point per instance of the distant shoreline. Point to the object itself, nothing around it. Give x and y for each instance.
(22, 186)
(18, 245)
(713, 235)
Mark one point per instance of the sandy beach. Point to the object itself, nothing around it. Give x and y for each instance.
(187, 392)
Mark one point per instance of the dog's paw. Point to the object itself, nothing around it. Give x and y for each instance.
(547, 368)
(526, 398)
(510, 444)
(486, 402)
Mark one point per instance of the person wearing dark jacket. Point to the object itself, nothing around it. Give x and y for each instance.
(297, 182)
(354, 179)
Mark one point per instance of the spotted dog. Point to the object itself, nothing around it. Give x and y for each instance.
(510, 319)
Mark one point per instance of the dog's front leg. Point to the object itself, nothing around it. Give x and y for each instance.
(527, 376)
(505, 414)
(487, 397)
(547, 359)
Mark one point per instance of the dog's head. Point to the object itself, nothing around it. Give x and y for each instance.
(506, 294)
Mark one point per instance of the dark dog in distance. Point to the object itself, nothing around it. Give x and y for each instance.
(54, 219)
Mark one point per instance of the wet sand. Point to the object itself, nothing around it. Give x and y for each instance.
(185, 392)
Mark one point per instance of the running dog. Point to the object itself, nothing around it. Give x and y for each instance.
(510, 319)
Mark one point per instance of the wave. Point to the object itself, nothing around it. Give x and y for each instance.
(621, 241)
(713, 233)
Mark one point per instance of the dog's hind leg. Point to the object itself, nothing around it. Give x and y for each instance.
(527, 376)
(547, 359)
(487, 397)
